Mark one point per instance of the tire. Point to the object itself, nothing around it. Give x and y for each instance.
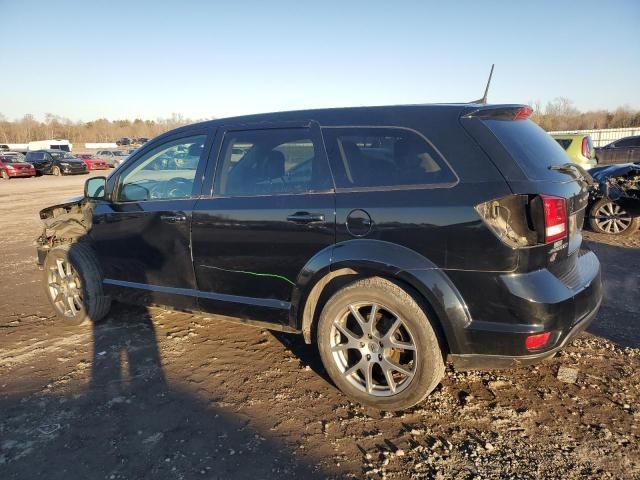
(83, 277)
(608, 218)
(385, 349)
(56, 171)
(5, 175)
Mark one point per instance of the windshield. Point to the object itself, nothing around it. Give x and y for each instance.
(530, 146)
(120, 154)
(9, 159)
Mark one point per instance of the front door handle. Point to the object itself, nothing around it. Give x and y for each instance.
(305, 217)
(174, 218)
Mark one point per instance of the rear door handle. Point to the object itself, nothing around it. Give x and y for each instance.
(305, 217)
(174, 218)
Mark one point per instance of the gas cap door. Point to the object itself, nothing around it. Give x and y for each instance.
(359, 223)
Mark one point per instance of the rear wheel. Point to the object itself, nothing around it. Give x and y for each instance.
(378, 345)
(73, 283)
(609, 218)
(56, 171)
(5, 175)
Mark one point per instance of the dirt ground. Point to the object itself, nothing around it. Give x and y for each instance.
(158, 394)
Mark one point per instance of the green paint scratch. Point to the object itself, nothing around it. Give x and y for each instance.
(255, 274)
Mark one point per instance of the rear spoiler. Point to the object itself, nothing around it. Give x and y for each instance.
(501, 112)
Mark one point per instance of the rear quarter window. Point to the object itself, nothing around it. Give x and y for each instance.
(377, 157)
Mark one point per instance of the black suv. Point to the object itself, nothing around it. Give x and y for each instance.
(55, 162)
(625, 150)
(393, 237)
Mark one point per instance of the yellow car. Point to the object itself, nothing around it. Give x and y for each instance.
(579, 147)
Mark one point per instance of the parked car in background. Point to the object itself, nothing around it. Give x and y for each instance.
(579, 147)
(625, 150)
(93, 162)
(124, 141)
(142, 140)
(392, 237)
(56, 162)
(13, 164)
(54, 144)
(112, 157)
(615, 199)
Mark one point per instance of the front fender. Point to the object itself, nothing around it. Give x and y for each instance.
(373, 257)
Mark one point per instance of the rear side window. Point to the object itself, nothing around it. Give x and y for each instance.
(372, 157)
(271, 162)
(564, 142)
(529, 145)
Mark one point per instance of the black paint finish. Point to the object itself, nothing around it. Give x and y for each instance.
(259, 257)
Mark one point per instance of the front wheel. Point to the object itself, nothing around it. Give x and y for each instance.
(378, 345)
(609, 218)
(56, 171)
(5, 175)
(73, 284)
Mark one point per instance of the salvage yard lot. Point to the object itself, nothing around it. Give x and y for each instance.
(175, 395)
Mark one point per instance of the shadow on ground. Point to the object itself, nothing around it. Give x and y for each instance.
(131, 424)
(620, 311)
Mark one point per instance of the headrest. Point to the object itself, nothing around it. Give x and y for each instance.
(195, 149)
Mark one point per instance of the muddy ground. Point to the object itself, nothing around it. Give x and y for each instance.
(158, 394)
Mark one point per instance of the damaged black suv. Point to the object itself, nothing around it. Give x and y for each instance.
(394, 238)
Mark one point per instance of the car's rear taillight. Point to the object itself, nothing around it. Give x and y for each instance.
(585, 148)
(523, 113)
(526, 220)
(555, 218)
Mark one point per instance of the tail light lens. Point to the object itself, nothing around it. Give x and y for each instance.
(585, 148)
(526, 220)
(555, 218)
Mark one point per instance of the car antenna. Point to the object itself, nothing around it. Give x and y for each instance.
(483, 100)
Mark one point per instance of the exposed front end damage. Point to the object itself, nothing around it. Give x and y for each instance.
(620, 184)
(63, 223)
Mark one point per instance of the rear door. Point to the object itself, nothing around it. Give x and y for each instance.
(270, 211)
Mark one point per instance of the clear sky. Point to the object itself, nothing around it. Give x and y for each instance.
(125, 59)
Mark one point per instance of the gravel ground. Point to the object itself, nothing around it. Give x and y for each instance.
(174, 395)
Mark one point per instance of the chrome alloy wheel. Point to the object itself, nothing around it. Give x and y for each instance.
(611, 218)
(64, 288)
(373, 348)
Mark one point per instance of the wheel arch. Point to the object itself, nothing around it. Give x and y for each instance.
(344, 261)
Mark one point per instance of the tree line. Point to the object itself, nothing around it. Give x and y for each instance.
(558, 114)
(561, 114)
(28, 128)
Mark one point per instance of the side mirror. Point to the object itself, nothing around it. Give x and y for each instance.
(95, 188)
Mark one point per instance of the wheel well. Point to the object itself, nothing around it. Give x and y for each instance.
(333, 281)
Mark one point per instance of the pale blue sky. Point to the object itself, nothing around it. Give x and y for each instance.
(126, 59)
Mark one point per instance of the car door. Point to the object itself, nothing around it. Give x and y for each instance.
(142, 233)
(270, 212)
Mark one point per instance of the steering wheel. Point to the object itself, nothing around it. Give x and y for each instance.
(178, 188)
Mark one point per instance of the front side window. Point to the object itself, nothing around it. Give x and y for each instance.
(166, 172)
(370, 157)
(268, 162)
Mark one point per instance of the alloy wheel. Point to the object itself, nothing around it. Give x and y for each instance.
(611, 218)
(373, 349)
(65, 288)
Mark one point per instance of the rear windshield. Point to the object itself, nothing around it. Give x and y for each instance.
(529, 145)
(563, 142)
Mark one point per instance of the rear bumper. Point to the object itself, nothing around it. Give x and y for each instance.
(486, 362)
(507, 308)
(22, 174)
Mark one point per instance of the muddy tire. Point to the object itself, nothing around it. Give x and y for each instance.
(5, 175)
(56, 171)
(378, 345)
(73, 284)
(608, 218)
